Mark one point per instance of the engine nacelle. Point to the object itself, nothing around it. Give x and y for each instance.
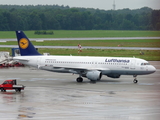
(114, 75)
(94, 75)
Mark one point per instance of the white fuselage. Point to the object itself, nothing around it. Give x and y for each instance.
(76, 64)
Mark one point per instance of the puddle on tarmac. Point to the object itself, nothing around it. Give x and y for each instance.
(26, 112)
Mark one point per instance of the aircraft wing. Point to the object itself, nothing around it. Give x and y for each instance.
(82, 68)
(78, 70)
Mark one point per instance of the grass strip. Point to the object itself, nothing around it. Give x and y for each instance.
(150, 55)
(104, 43)
(85, 33)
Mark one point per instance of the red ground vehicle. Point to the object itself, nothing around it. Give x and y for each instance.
(10, 85)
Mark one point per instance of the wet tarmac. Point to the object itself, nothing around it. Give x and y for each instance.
(52, 96)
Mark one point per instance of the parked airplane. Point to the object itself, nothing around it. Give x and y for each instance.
(90, 67)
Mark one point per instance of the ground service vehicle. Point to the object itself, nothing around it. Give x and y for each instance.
(10, 85)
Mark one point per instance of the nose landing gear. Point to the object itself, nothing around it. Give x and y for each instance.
(135, 79)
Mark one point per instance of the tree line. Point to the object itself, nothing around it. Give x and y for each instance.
(54, 17)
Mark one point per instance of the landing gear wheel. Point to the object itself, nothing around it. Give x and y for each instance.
(79, 79)
(135, 81)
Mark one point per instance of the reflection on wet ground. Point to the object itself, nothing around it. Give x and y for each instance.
(61, 103)
(10, 108)
(57, 96)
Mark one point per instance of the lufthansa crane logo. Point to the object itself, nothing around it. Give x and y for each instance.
(23, 43)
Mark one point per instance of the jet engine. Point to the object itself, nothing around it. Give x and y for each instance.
(114, 75)
(94, 75)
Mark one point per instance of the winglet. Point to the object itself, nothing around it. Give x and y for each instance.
(25, 46)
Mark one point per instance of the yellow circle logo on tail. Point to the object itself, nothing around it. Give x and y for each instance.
(23, 43)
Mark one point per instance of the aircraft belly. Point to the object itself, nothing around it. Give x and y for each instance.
(106, 72)
(130, 72)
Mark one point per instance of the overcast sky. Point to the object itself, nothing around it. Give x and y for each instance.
(100, 4)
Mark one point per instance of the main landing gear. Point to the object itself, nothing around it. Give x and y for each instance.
(135, 79)
(79, 79)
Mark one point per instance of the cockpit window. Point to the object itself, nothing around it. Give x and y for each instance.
(145, 64)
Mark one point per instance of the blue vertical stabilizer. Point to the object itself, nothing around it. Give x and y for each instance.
(25, 46)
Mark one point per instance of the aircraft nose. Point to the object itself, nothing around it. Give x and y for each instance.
(152, 69)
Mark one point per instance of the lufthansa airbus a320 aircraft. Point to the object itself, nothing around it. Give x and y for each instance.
(90, 67)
